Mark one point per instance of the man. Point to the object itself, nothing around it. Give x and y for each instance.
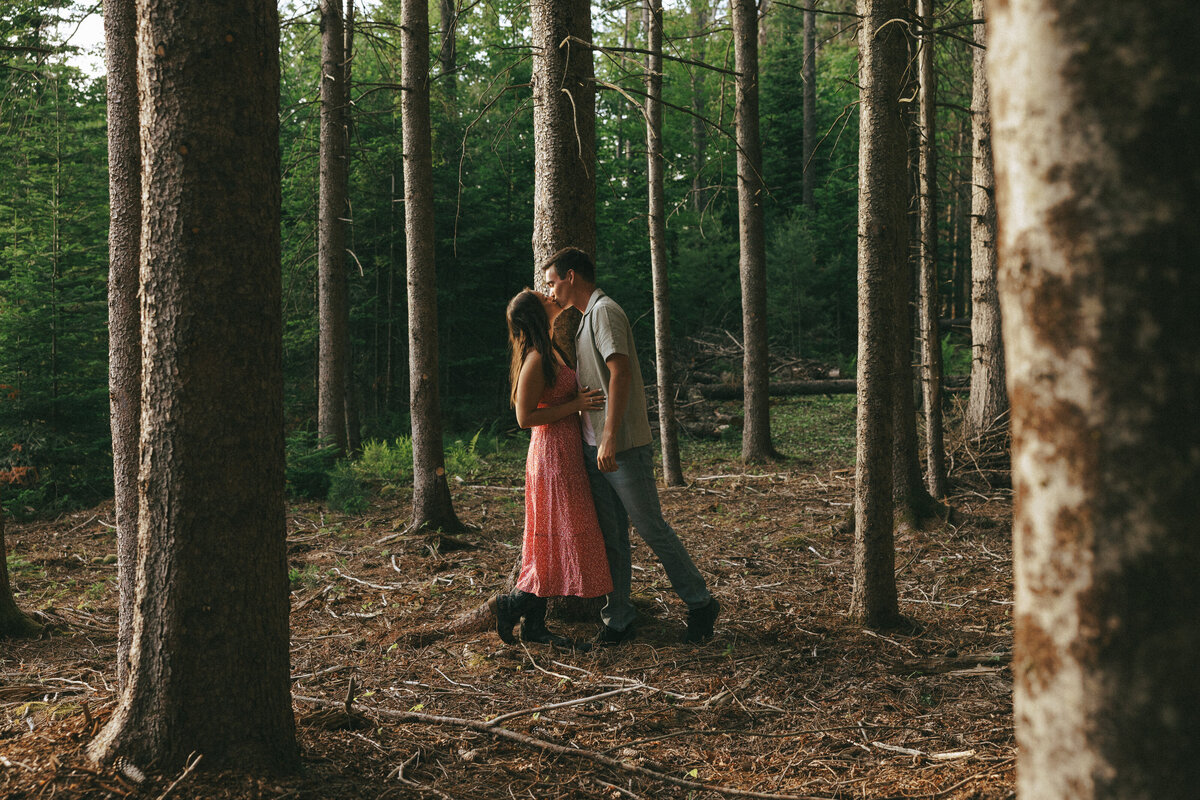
(617, 452)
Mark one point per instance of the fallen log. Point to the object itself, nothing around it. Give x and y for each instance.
(734, 391)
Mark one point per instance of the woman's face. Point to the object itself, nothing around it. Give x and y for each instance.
(552, 309)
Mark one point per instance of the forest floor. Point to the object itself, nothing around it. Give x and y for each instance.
(789, 698)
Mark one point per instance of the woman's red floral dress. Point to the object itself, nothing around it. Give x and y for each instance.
(563, 550)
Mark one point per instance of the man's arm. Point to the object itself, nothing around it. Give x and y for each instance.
(619, 379)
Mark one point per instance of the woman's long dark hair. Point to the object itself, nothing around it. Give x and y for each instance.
(529, 329)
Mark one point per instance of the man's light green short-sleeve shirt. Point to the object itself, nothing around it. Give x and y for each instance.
(603, 332)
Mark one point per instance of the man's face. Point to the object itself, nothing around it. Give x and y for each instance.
(552, 308)
(560, 288)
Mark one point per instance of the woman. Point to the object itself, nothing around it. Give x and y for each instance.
(563, 549)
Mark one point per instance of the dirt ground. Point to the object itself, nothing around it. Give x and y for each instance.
(789, 699)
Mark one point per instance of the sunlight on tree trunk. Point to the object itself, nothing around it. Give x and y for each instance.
(1097, 173)
(564, 143)
(124, 315)
(988, 399)
(930, 305)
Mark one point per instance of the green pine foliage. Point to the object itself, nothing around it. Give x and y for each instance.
(53, 223)
(54, 446)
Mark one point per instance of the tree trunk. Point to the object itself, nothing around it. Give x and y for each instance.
(913, 504)
(209, 661)
(810, 104)
(351, 400)
(432, 507)
(752, 262)
(564, 145)
(699, 131)
(931, 355)
(448, 55)
(954, 219)
(564, 142)
(668, 425)
(882, 251)
(1094, 118)
(13, 622)
(124, 319)
(331, 252)
(988, 399)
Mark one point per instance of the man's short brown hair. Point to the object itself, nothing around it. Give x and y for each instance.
(572, 258)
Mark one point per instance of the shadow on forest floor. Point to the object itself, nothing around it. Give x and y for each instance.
(789, 698)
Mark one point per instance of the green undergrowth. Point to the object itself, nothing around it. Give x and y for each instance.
(809, 432)
(384, 468)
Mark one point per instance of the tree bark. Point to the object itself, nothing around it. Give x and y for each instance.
(752, 261)
(124, 318)
(13, 622)
(882, 252)
(988, 399)
(810, 105)
(1094, 119)
(668, 425)
(331, 249)
(564, 142)
(432, 506)
(448, 54)
(700, 10)
(209, 659)
(912, 502)
(353, 399)
(931, 345)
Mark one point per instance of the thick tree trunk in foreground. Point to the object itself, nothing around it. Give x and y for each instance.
(668, 425)
(124, 318)
(13, 621)
(209, 661)
(432, 506)
(988, 399)
(752, 261)
(1097, 174)
(564, 142)
(882, 251)
(931, 344)
(331, 249)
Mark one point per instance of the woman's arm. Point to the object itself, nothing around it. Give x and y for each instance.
(531, 384)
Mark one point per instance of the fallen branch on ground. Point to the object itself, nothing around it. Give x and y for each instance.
(551, 747)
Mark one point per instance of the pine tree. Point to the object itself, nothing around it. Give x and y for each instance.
(209, 660)
(1097, 173)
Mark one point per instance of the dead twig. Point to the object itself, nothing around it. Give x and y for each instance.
(192, 762)
(576, 702)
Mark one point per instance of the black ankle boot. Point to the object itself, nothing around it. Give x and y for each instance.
(533, 629)
(509, 610)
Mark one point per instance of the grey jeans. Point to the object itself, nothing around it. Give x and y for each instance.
(630, 494)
